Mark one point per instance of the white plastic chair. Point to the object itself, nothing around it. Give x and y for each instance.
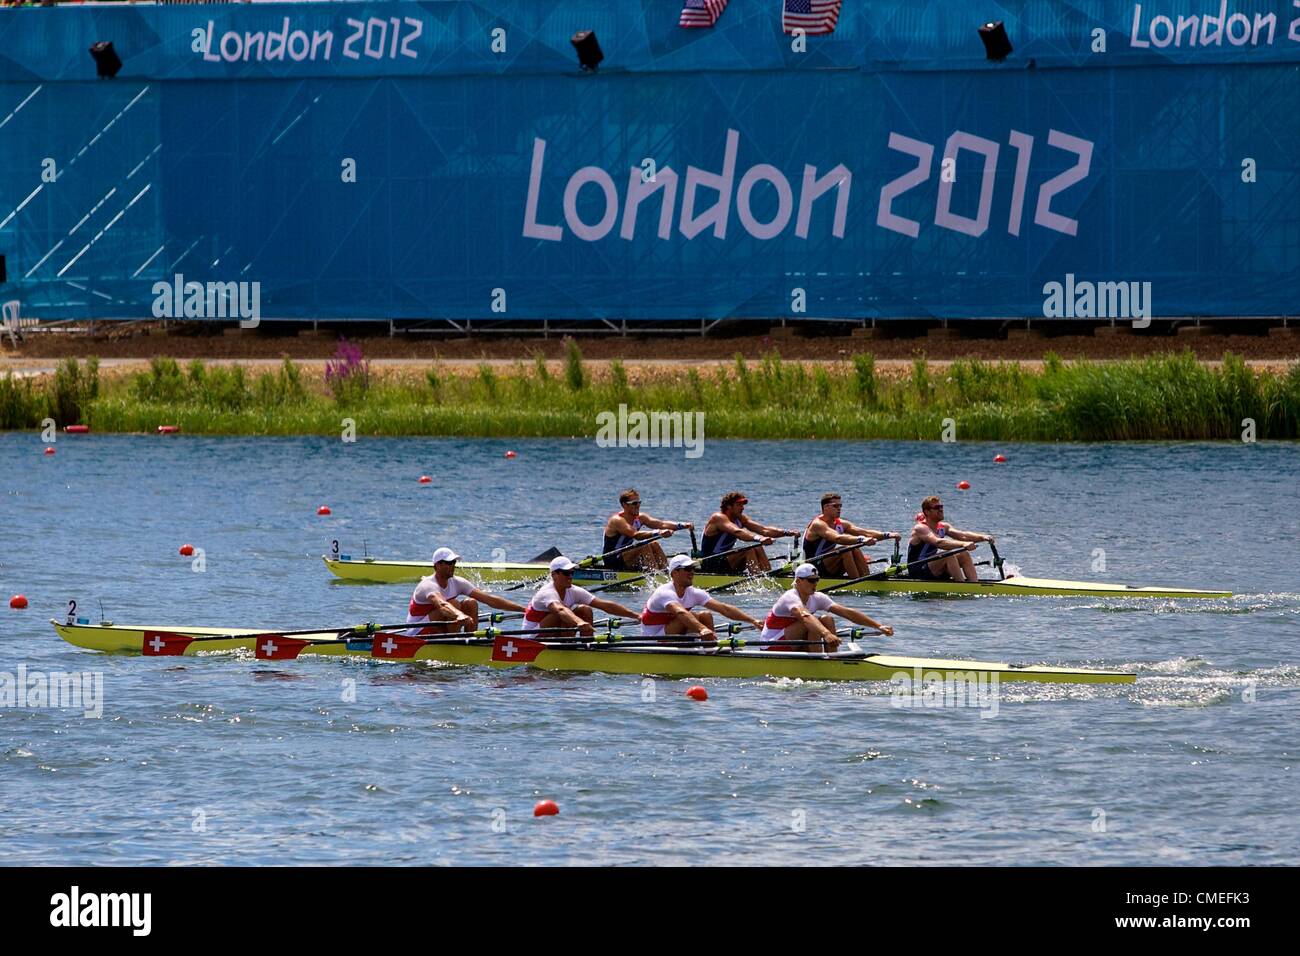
(9, 312)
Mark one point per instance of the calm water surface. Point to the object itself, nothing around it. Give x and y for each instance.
(225, 759)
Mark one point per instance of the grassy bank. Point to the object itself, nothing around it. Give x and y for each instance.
(1168, 397)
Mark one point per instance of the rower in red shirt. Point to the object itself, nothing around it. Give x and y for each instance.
(794, 616)
(562, 604)
(679, 608)
(445, 602)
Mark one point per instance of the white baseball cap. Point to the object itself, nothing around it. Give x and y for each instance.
(562, 564)
(445, 554)
(807, 571)
(678, 561)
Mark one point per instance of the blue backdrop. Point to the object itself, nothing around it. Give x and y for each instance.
(383, 160)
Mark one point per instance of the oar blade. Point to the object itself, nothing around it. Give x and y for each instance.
(516, 650)
(277, 647)
(165, 644)
(395, 647)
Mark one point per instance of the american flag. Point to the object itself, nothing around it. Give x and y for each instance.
(810, 16)
(701, 13)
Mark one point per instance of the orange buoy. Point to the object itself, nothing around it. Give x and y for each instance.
(187, 549)
(546, 808)
(77, 429)
(49, 451)
(511, 454)
(168, 429)
(999, 458)
(963, 485)
(18, 602)
(697, 693)
(324, 510)
(425, 479)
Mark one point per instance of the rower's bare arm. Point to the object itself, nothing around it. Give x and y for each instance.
(871, 532)
(811, 621)
(688, 619)
(859, 617)
(617, 524)
(664, 525)
(496, 601)
(613, 607)
(555, 607)
(750, 531)
(767, 531)
(446, 607)
(946, 543)
(733, 612)
(847, 539)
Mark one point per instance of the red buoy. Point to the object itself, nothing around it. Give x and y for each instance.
(187, 549)
(49, 451)
(999, 458)
(168, 429)
(324, 510)
(511, 454)
(697, 693)
(77, 429)
(18, 602)
(963, 485)
(546, 808)
(425, 479)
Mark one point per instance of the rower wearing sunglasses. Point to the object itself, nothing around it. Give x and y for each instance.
(444, 601)
(562, 604)
(794, 617)
(950, 548)
(625, 528)
(679, 608)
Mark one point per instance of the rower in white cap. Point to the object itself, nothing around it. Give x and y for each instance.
(794, 616)
(446, 602)
(562, 604)
(679, 607)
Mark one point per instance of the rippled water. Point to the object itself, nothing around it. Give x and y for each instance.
(225, 759)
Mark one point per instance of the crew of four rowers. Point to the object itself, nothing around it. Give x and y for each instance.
(733, 542)
(443, 601)
(676, 610)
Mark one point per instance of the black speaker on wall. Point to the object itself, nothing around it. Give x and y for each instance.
(3, 277)
(107, 62)
(997, 45)
(589, 51)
